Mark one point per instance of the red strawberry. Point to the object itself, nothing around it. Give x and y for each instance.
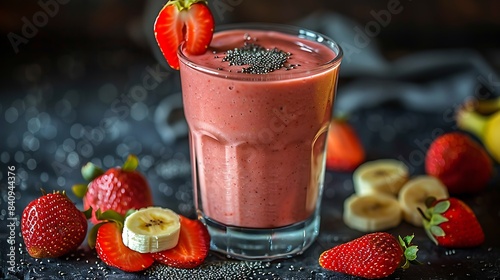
(459, 162)
(451, 223)
(52, 226)
(113, 252)
(192, 248)
(183, 20)
(375, 255)
(344, 149)
(118, 189)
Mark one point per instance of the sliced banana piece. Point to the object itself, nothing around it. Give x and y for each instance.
(151, 229)
(380, 176)
(414, 193)
(372, 212)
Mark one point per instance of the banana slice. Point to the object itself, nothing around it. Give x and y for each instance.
(151, 229)
(372, 212)
(414, 193)
(380, 176)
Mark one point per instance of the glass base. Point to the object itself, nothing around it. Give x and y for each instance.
(262, 244)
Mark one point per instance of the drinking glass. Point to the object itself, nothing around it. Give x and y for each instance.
(258, 141)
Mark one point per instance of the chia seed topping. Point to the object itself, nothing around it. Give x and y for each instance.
(257, 59)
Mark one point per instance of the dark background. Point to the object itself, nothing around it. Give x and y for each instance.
(126, 25)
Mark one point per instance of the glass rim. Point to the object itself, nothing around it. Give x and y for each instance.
(300, 32)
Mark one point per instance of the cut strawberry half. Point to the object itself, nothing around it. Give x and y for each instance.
(344, 149)
(192, 248)
(188, 21)
(113, 252)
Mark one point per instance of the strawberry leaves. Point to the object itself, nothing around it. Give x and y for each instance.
(104, 217)
(409, 251)
(438, 218)
(131, 163)
(451, 223)
(89, 172)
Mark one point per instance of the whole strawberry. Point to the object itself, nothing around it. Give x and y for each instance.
(459, 162)
(52, 226)
(375, 255)
(119, 188)
(451, 223)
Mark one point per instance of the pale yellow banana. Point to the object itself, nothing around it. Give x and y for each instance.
(372, 212)
(151, 229)
(380, 176)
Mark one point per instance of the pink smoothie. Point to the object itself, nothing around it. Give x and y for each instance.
(258, 140)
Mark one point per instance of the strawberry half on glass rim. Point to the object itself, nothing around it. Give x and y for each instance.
(179, 21)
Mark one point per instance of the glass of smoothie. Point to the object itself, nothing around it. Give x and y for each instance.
(258, 104)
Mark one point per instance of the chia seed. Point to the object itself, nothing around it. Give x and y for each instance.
(216, 270)
(257, 59)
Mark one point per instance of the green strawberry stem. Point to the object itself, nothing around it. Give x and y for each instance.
(426, 215)
(185, 4)
(88, 213)
(79, 190)
(409, 251)
(432, 218)
(90, 171)
(473, 122)
(93, 235)
(106, 217)
(131, 163)
(63, 192)
(44, 192)
(109, 215)
(423, 214)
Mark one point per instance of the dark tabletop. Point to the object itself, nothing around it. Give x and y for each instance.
(57, 114)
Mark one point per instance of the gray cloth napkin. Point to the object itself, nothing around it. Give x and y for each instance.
(429, 81)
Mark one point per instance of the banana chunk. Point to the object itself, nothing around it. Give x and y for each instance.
(380, 176)
(414, 193)
(372, 212)
(151, 229)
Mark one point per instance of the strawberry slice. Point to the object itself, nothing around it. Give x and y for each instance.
(113, 252)
(188, 21)
(192, 248)
(344, 149)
